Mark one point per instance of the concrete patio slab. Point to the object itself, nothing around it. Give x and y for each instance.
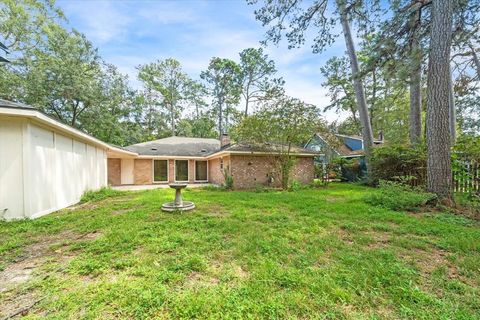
(156, 186)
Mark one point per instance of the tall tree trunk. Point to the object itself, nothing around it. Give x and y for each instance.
(172, 119)
(439, 171)
(357, 84)
(415, 131)
(451, 105)
(220, 116)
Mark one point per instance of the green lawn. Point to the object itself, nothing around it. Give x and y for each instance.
(319, 253)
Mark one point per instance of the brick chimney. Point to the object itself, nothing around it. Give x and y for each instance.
(224, 140)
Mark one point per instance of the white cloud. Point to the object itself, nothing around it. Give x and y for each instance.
(101, 21)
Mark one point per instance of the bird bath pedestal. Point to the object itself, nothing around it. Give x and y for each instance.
(178, 204)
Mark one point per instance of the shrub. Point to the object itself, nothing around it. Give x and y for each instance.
(402, 163)
(228, 184)
(351, 170)
(398, 197)
(100, 194)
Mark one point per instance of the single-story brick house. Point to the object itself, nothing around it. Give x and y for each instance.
(199, 160)
(46, 165)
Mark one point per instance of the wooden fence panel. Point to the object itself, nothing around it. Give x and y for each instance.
(469, 179)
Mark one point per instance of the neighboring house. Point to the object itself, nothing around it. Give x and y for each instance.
(337, 145)
(197, 160)
(46, 165)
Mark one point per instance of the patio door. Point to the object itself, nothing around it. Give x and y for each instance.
(126, 167)
(181, 170)
(201, 170)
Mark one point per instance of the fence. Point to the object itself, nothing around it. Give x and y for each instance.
(466, 176)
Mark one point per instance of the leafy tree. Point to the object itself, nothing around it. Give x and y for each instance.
(223, 79)
(65, 78)
(258, 82)
(202, 127)
(292, 19)
(340, 89)
(279, 126)
(24, 26)
(154, 122)
(115, 117)
(195, 96)
(167, 78)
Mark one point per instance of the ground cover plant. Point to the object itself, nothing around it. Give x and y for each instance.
(311, 253)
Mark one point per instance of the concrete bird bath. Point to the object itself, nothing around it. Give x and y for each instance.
(178, 204)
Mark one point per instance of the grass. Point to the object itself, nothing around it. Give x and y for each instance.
(318, 253)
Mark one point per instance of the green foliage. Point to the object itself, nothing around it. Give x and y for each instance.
(257, 77)
(246, 255)
(399, 197)
(279, 126)
(350, 170)
(228, 184)
(101, 194)
(172, 86)
(399, 162)
(223, 79)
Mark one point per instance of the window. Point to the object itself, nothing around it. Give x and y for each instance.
(160, 170)
(181, 170)
(221, 163)
(201, 170)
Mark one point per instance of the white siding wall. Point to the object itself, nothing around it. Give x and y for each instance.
(42, 171)
(11, 168)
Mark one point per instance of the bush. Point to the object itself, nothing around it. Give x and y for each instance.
(351, 170)
(402, 163)
(398, 197)
(100, 194)
(228, 184)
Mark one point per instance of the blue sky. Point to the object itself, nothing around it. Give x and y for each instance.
(129, 33)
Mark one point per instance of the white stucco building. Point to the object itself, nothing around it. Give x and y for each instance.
(45, 165)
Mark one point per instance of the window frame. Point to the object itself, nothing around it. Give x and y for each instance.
(175, 170)
(153, 171)
(195, 171)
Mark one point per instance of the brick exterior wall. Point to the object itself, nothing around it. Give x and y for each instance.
(215, 173)
(114, 173)
(304, 170)
(249, 171)
(142, 171)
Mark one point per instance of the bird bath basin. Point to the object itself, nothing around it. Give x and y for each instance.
(178, 204)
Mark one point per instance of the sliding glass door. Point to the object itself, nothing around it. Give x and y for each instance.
(201, 170)
(160, 170)
(181, 170)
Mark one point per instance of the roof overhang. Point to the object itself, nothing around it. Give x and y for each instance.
(258, 153)
(38, 117)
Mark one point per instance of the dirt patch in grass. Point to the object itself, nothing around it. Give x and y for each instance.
(197, 279)
(25, 266)
(344, 236)
(429, 262)
(380, 239)
(18, 305)
(121, 211)
(334, 199)
(216, 210)
(240, 272)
